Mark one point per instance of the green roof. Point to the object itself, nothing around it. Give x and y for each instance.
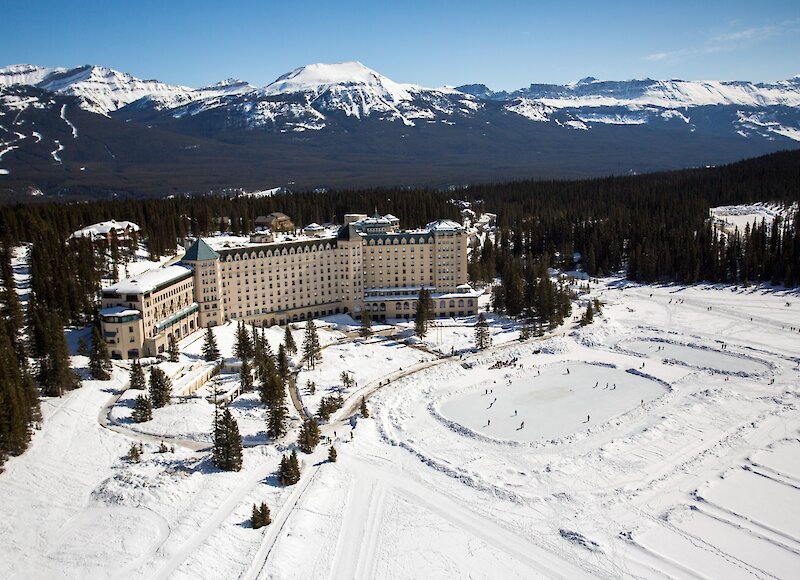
(200, 252)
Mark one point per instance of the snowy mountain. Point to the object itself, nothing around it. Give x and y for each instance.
(590, 92)
(346, 124)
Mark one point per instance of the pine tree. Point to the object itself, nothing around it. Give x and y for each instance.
(137, 379)
(283, 363)
(227, 452)
(273, 395)
(364, 409)
(143, 409)
(483, 338)
(424, 313)
(134, 453)
(525, 333)
(332, 454)
(366, 324)
(19, 403)
(99, 361)
(255, 517)
(210, 350)
(311, 347)
(263, 512)
(289, 471)
(288, 341)
(588, 316)
(329, 405)
(308, 438)
(243, 347)
(172, 349)
(245, 377)
(54, 373)
(160, 387)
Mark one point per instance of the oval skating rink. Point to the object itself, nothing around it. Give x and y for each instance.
(552, 404)
(696, 357)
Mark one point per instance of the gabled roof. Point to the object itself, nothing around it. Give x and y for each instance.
(199, 252)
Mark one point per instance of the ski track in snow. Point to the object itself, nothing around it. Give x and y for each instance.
(55, 152)
(68, 122)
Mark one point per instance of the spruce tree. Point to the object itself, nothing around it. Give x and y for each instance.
(283, 363)
(210, 350)
(289, 343)
(289, 471)
(424, 313)
(160, 387)
(311, 347)
(99, 361)
(143, 409)
(483, 338)
(54, 373)
(227, 452)
(588, 316)
(263, 512)
(366, 324)
(332, 454)
(19, 403)
(134, 453)
(308, 438)
(364, 409)
(243, 346)
(172, 349)
(294, 466)
(137, 379)
(245, 377)
(255, 517)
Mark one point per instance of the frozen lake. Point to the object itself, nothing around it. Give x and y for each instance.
(696, 357)
(553, 404)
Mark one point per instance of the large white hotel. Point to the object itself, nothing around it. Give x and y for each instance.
(366, 264)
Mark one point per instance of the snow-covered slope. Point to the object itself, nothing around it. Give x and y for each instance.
(590, 92)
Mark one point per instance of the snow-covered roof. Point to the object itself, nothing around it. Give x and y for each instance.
(103, 228)
(313, 226)
(118, 311)
(444, 226)
(150, 280)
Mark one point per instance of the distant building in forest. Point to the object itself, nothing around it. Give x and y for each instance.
(104, 231)
(276, 221)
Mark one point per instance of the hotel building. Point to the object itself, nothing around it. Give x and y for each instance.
(368, 263)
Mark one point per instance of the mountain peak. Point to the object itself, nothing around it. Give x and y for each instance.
(319, 77)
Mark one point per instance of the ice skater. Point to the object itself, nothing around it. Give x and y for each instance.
(515, 412)
(522, 425)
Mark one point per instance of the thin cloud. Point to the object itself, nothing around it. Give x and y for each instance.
(727, 42)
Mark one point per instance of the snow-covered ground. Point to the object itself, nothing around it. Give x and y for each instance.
(681, 462)
(730, 217)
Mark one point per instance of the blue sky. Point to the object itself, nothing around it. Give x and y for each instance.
(503, 43)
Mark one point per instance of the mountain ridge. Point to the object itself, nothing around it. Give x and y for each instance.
(340, 124)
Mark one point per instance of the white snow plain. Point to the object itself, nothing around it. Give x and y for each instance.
(688, 468)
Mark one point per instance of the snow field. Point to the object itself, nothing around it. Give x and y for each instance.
(693, 356)
(700, 481)
(366, 361)
(550, 401)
